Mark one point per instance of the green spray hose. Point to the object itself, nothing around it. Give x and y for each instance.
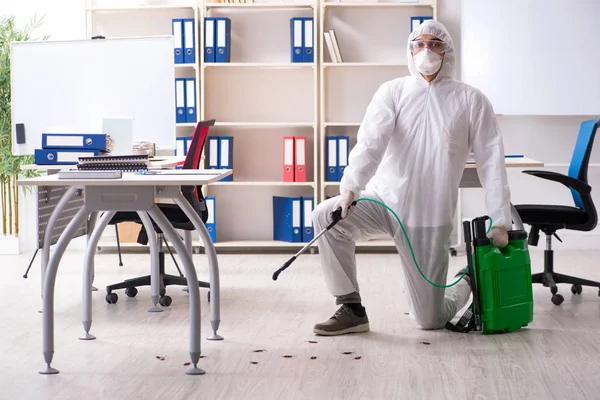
(410, 245)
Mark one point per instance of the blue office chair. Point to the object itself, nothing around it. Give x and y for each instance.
(550, 218)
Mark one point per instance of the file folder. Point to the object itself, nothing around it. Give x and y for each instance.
(297, 39)
(189, 41)
(211, 225)
(300, 159)
(61, 156)
(226, 155)
(178, 40)
(190, 100)
(287, 219)
(213, 152)
(180, 148)
(210, 30)
(223, 38)
(418, 20)
(180, 100)
(183, 145)
(307, 225)
(331, 162)
(342, 156)
(88, 141)
(308, 45)
(288, 159)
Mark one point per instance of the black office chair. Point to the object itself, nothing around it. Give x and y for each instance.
(176, 217)
(550, 218)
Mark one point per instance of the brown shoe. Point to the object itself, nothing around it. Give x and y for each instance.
(343, 321)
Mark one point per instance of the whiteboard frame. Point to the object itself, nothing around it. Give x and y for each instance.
(165, 137)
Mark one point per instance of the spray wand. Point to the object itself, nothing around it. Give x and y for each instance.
(336, 216)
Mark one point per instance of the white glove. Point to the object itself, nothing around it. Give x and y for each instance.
(499, 237)
(345, 200)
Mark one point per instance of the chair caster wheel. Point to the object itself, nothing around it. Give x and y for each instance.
(576, 289)
(554, 290)
(557, 299)
(453, 252)
(131, 291)
(165, 301)
(112, 298)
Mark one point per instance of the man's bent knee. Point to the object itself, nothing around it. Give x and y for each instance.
(320, 215)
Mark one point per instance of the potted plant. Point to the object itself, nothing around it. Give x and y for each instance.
(10, 165)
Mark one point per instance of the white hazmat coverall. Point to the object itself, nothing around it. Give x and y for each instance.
(411, 151)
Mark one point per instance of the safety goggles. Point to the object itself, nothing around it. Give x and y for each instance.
(437, 46)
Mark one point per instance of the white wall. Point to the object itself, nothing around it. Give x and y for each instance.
(64, 19)
(548, 139)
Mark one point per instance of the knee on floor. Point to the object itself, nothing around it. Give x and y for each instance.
(429, 322)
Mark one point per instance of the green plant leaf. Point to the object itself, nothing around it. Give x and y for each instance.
(10, 165)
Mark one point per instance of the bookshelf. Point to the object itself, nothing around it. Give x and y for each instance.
(260, 96)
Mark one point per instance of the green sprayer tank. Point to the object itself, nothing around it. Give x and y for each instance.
(503, 297)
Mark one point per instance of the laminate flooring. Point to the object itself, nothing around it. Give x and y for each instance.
(556, 357)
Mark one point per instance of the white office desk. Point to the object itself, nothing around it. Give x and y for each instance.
(138, 193)
(157, 162)
(470, 179)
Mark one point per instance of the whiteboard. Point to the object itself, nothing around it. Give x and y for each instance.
(70, 86)
(533, 57)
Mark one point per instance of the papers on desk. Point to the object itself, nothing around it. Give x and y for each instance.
(471, 158)
(180, 172)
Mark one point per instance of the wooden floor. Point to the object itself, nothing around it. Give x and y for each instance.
(556, 357)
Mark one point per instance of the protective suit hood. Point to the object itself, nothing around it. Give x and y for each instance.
(435, 28)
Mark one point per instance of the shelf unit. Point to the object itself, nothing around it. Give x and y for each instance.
(260, 96)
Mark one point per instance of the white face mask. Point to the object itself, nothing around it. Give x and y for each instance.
(427, 62)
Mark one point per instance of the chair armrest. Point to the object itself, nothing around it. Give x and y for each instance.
(582, 187)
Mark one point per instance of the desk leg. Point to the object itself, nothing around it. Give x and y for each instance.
(194, 291)
(50, 280)
(154, 267)
(50, 227)
(213, 266)
(88, 270)
(91, 224)
(516, 218)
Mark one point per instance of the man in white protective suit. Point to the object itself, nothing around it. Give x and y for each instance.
(411, 151)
